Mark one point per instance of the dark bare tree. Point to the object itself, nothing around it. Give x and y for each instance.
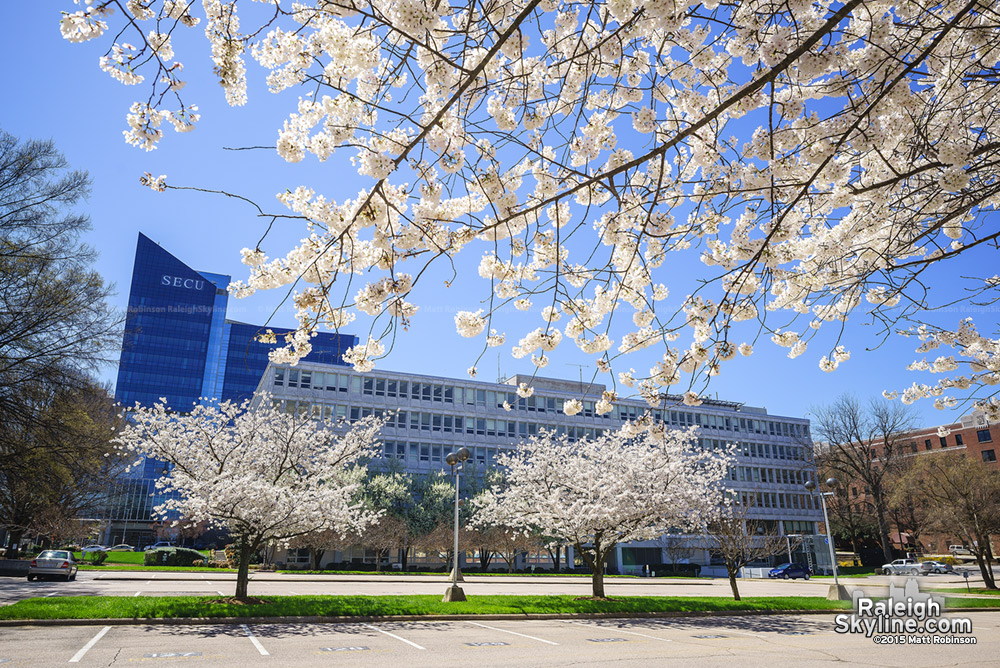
(740, 539)
(965, 497)
(865, 445)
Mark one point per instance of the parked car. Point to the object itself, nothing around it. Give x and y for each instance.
(901, 567)
(936, 567)
(55, 563)
(121, 547)
(786, 571)
(959, 549)
(162, 543)
(93, 548)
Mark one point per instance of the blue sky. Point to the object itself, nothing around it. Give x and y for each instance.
(54, 89)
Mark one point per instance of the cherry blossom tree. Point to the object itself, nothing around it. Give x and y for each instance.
(262, 474)
(627, 485)
(820, 159)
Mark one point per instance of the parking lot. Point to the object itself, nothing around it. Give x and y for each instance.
(802, 640)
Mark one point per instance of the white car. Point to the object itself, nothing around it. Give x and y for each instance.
(901, 567)
(54, 563)
(93, 548)
(162, 543)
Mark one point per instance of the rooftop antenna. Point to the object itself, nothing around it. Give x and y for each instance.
(582, 367)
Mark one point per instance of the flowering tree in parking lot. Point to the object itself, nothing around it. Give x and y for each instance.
(262, 474)
(816, 160)
(594, 494)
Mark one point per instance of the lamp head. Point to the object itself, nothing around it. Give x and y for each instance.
(831, 482)
(810, 485)
(451, 459)
(463, 454)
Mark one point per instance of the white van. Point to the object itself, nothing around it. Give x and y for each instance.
(958, 549)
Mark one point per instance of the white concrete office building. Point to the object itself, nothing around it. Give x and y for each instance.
(433, 416)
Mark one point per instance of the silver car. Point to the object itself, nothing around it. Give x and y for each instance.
(55, 563)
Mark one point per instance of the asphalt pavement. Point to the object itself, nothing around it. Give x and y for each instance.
(802, 641)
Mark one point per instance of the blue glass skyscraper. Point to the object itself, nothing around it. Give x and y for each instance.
(179, 346)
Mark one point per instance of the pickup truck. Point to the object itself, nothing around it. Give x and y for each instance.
(901, 567)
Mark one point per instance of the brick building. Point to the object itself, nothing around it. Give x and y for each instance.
(974, 437)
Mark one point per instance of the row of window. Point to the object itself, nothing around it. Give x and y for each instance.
(767, 475)
(450, 394)
(458, 424)
(779, 500)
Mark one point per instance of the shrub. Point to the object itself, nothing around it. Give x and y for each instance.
(198, 562)
(96, 557)
(172, 556)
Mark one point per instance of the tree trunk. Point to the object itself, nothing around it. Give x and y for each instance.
(315, 557)
(980, 550)
(596, 562)
(243, 570)
(732, 583)
(404, 554)
(597, 581)
(883, 531)
(556, 555)
(15, 544)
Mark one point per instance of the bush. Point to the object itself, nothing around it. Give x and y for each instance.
(198, 562)
(668, 570)
(96, 557)
(172, 556)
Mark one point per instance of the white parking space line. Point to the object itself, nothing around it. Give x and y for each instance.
(253, 639)
(513, 633)
(393, 635)
(137, 593)
(153, 576)
(93, 641)
(51, 593)
(292, 592)
(219, 592)
(617, 630)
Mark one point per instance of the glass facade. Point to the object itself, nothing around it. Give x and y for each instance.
(167, 330)
(178, 344)
(246, 358)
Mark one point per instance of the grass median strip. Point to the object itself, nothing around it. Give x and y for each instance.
(136, 607)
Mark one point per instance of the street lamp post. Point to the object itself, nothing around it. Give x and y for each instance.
(455, 461)
(835, 592)
(788, 542)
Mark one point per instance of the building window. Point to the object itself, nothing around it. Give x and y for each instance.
(984, 436)
(989, 456)
(944, 442)
(958, 439)
(927, 444)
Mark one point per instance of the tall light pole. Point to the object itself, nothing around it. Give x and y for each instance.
(455, 460)
(811, 487)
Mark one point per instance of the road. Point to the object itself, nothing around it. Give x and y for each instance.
(161, 583)
(801, 641)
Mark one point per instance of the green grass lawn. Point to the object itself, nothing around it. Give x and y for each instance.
(133, 561)
(122, 607)
(470, 574)
(974, 590)
(106, 567)
(135, 558)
